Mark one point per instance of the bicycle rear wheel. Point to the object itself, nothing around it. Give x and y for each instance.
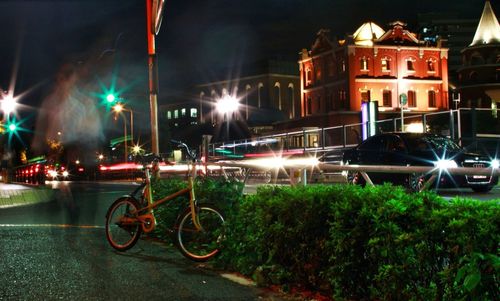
(203, 244)
(122, 227)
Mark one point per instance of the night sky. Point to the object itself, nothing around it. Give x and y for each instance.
(99, 42)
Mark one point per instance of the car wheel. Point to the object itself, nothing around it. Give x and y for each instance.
(416, 182)
(482, 188)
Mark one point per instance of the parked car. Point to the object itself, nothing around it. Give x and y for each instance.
(418, 149)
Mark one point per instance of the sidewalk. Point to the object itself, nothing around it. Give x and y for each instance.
(13, 195)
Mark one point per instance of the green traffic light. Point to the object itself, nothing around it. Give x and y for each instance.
(12, 127)
(110, 97)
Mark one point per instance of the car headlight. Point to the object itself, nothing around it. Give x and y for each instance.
(445, 164)
(495, 163)
(65, 174)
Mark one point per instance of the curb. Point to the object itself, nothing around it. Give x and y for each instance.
(23, 197)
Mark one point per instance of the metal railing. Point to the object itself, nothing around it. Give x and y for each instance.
(467, 126)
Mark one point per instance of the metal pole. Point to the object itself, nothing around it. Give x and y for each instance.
(153, 78)
(131, 125)
(125, 137)
(459, 128)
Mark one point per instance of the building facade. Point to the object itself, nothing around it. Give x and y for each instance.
(337, 76)
(267, 91)
(479, 76)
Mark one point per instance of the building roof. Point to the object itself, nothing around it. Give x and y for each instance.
(367, 33)
(488, 30)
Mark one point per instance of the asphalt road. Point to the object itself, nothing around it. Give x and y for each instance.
(58, 251)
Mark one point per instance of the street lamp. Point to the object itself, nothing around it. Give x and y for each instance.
(226, 106)
(8, 104)
(118, 108)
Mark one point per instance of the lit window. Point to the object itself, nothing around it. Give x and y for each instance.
(194, 113)
(412, 99)
(176, 114)
(430, 66)
(343, 66)
(386, 65)
(308, 76)
(432, 98)
(364, 64)
(365, 95)
(410, 65)
(183, 112)
(169, 115)
(387, 98)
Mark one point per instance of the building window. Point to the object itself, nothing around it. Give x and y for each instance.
(309, 105)
(387, 98)
(308, 76)
(412, 99)
(342, 98)
(365, 95)
(431, 68)
(363, 64)
(183, 112)
(386, 65)
(410, 65)
(169, 115)
(193, 113)
(176, 114)
(343, 66)
(318, 104)
(432, 98)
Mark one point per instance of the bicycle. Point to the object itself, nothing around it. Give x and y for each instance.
(198, 229)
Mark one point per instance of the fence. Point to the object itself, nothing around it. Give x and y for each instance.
(475, 129)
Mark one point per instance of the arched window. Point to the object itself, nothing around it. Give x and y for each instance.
(432, 98)
(363, 64)
(386, 64)
(473, 76)
(308, 76)
(277, 95)
(290, 101)
(410, 65)
(412, 99)
(387, 98)
(476, 59)
(259, 95)
(431, 66)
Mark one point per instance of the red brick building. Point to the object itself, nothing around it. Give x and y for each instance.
(371, 65)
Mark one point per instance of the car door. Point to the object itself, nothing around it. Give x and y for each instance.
(395, 153)
(370, 153)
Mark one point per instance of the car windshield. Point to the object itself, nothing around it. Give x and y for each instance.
(433, 143)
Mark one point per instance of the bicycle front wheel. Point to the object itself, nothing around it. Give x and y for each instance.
(123, 229)
(200, 244)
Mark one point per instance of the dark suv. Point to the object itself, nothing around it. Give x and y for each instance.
(419, 149)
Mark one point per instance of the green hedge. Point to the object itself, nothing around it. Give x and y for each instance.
(217, 191)
(372, 243)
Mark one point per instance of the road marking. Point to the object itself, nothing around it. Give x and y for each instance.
(52, 226)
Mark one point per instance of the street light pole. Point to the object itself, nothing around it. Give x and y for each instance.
(154, 11)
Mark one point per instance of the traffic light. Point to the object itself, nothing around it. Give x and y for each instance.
(12, 127)
(111, 97)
